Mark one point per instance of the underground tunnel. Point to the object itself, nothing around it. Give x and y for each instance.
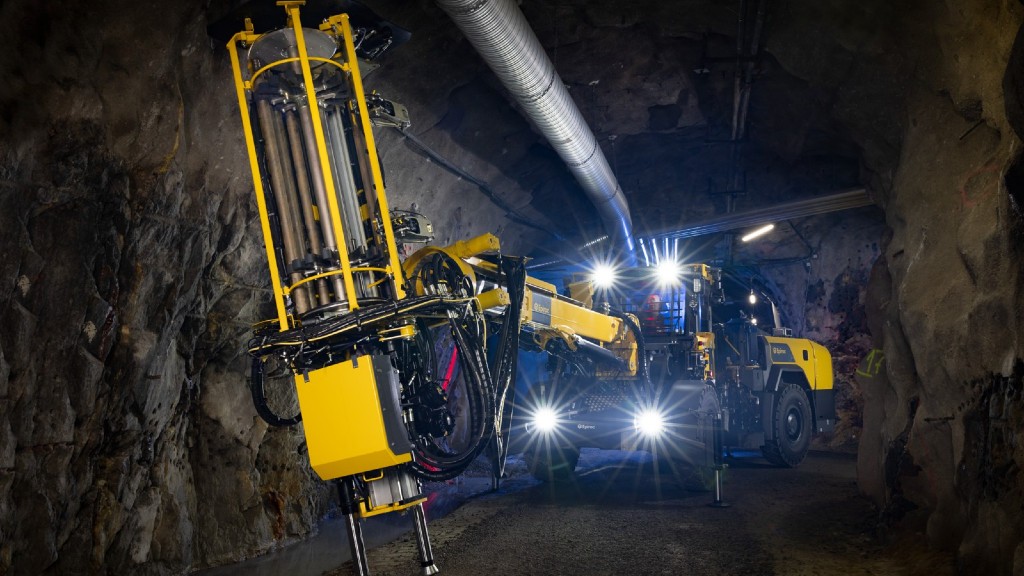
(470, 225)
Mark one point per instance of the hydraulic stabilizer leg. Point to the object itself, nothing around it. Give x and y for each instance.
(423, 542)
(350, 508)
(720, 465)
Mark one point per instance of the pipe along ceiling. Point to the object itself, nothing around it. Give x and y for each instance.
(500, 33)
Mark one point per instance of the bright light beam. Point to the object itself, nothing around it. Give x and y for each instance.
(758, 233)
(603, 276)
(545, 419)
(668, 272)
(650, 423)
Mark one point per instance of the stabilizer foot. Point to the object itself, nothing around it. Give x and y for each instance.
(423, 542)
(350, 508)
(717, 442)
(718, 502)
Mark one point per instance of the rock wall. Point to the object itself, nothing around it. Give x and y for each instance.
(921, 88)
(132, 269)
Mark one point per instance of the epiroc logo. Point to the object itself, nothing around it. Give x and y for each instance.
(541, 309)
(781, 353)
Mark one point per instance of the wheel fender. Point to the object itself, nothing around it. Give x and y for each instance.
(768, 397)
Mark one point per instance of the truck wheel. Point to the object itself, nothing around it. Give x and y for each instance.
(791, 427)
(692, 461)
(703, 478)
(551, 463)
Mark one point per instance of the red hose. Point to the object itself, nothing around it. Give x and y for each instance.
(451, 368)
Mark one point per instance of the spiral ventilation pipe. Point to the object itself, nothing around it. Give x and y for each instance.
(499, 32)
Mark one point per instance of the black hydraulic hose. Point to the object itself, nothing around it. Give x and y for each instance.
(429, 463)
(505, 365)
(504, 375)
(510, 212)
(266, 343)
(259, 398)
(437, 456)
(423, 332)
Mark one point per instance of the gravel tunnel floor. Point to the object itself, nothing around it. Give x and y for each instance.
(624, 515)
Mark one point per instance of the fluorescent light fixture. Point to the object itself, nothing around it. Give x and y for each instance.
(758, 233)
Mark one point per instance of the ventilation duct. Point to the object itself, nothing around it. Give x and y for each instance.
(499, 32)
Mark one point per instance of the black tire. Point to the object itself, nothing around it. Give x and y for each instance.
(552, 464)
(791, 427)
(692, 462)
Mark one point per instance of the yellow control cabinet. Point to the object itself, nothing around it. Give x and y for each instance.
(352, 416)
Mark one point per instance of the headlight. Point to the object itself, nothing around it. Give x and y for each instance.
(604, 275)
(650, 423)
(545, 419)
(668, 272)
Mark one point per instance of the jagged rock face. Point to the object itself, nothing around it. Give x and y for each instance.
(133, 264)
(132, 268)
(945, 297)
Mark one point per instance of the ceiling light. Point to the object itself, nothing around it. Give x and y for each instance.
(758, 233)
(753, 297)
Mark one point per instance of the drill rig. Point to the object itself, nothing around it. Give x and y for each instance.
(768, 392)
(356, 326)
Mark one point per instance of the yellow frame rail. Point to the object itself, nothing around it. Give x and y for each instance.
(341, 29)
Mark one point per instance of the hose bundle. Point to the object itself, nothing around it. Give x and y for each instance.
(433, 462)
(489, 392)
(504, 373)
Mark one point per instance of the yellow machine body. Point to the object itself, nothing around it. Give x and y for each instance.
(546, 314)
(705, 342)
(812, 358)
(350, 411)
(549, 311)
